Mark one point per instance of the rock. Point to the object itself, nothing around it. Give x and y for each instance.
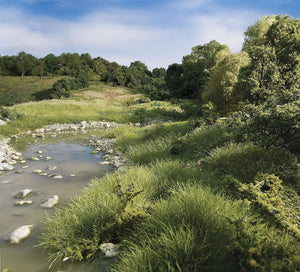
(19, 172)
(25, 166)
(34, 159)
(23, 202)
(109, 249)
(5, 167)
(40, 152)
(58, 177)
(50, 202)
(23, 161)
(51, 168)
(22, 193)
(37, 171)
(44, 174)
(19, 234)
(48, 158)
(72, 175)
(2, 122)
(5, 182)
(104, 163)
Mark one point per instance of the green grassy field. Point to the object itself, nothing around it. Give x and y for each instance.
(14, 90)
(191, 198)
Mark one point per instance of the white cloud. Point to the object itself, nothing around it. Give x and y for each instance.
(122, 35)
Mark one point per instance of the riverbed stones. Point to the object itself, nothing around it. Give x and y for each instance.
(19, 234)
(48, 158)
(23, 202)
(38, 171)
(50, 202)
(34, 159)
(22, 193)
(109, 249)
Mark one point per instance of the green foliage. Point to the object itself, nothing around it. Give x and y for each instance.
(9, 113)
(219, 88)
(270, 125)
(63, 86)
(245, 161)
(187, 80)
(197, 230)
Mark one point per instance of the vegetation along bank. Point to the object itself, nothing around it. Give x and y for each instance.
(211, 179)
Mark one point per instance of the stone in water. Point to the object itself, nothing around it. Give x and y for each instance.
(50, 202)
(19, 234)
(22, 193)
(109, 249)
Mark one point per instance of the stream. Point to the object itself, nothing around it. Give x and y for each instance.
(69, 159)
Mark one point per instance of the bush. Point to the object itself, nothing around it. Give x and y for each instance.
(11, 114)
(196, 230)
(245, 161)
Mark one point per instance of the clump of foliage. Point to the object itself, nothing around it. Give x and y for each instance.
(63, 86)
(197, 230)
(9, 113)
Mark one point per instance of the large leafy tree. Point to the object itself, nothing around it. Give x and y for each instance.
(270, 85)
(219, 88)
(188, 79)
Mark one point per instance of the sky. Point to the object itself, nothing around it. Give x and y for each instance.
(156, 32)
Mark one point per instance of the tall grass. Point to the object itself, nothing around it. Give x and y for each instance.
(198, 230)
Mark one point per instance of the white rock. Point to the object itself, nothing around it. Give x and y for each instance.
(5, 182)
(40, 152)
(2, 122)
(19, 234)
(35, 159)
(37, 171)
(109, 249)
(6, 167)
(23, 161)
(51, 168)
(48, 158)
(22, 193)
(25, 166)
(23, 202)
(58, 177)
(50, 202)
(104, 163)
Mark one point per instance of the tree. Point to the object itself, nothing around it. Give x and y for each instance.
(51, 63)
(256, 34)
(219, 89)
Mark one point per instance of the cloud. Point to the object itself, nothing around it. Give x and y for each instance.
(123, 35)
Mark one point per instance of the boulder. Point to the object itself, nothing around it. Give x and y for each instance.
(2, 122)
(22, 193)
(23, 202)
(19, 234)
(109, 249)
(50, 202)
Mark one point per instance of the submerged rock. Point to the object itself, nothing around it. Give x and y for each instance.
(58, 177)
(50, 202)
(109, 249)
(48, 158)
(23, 202)
(6, 167)
(37, 171)
(34, 159)
(19, 234)
(22, 193)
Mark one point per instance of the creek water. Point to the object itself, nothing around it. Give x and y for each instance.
(73, 160)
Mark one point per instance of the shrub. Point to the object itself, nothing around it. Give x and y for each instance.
(196, 230)
(11, 114)
(245, 161)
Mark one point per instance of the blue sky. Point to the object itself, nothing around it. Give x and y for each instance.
(156, 32)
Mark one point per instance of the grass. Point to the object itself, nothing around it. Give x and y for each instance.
(15, 90)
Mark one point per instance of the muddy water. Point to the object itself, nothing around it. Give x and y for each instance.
(73, 160)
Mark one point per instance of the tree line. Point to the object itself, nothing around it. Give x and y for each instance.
(260, 84)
